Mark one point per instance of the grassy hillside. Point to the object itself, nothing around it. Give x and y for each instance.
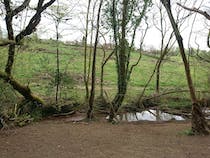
(35, 65)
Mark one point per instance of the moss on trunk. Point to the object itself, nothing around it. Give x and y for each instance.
(23, 90)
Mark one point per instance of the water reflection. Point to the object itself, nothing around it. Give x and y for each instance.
(150, 115)
(153, 115)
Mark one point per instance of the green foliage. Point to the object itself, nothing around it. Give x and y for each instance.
(36, 67)
(188, 132)
(23, 120)
(8, 100)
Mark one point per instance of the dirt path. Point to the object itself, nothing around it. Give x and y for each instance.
(65, 139)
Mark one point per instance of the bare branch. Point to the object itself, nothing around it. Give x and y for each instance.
(31, 27)
(21, 7)
(204, 13)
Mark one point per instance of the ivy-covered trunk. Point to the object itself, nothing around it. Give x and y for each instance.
(121, 62)
(124, 24)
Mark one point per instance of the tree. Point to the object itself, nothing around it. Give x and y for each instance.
(167, 36)
(204, 13)
(29, 29)
(199, 124)
(59, 14)
(162, 26)
(85, 51)
(93, 75)
(124, 17)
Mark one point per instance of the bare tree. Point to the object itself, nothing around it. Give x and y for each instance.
(59, 14)
(163, 28)
(92, 92)
(86, 80)
(199, 124)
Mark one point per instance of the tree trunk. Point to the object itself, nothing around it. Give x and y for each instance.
(10, 60)
(85, 52)
(10, 33)
(117, 102)
(157, 89)
(121, 64)
(92, 92)
(208, 38)
(23, 90)
(199, 124)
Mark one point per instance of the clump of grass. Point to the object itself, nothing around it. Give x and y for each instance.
(23, 120)
(187, 132)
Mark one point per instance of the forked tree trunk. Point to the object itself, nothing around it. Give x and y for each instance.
(199, 124)
(30, 28)
(121, 55)
(92, 92)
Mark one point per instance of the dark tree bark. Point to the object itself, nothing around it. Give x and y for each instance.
(30, 28)
(104, 62)
(57, 77)
(208, 39)
(199, 124)
(92, 92)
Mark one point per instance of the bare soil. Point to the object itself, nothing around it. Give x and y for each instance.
(67, 138)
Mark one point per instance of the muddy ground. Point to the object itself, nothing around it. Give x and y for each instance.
(62, 138)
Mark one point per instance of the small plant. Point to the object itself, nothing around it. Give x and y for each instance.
(23, 120)
(188, 132)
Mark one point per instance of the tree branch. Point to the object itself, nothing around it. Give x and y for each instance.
(204, 13)
(47, 5)
(21, 7)
(7, 6)
(31, 27)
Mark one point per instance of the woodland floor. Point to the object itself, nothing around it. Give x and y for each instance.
(62, 138)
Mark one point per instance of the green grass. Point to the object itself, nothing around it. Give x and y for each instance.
(36, 66)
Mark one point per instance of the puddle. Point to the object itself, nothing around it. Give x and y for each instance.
(150, 115)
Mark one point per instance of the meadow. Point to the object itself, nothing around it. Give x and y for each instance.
(35, 66)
